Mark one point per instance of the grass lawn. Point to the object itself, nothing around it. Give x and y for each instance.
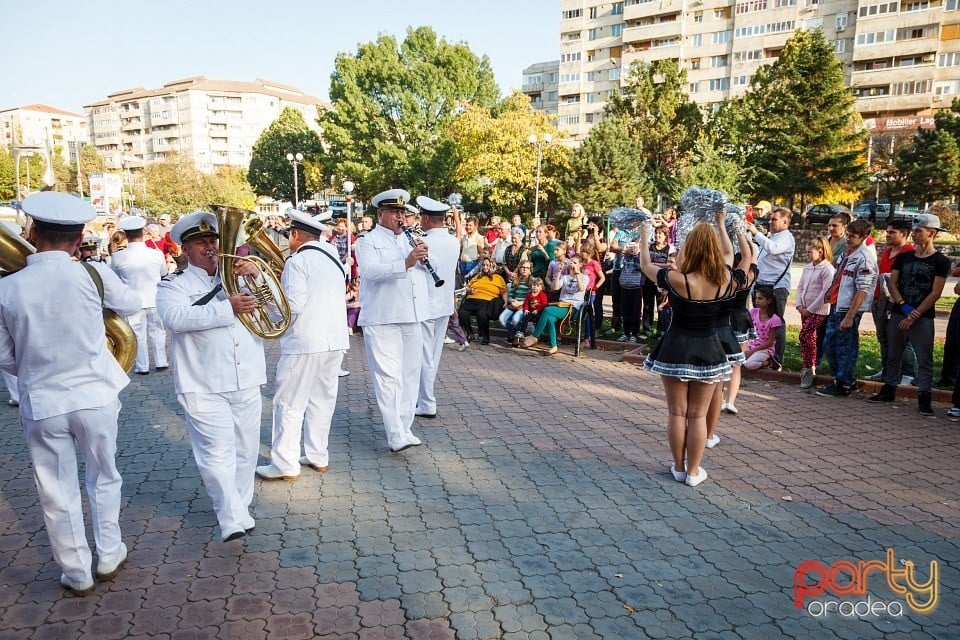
(945, 303)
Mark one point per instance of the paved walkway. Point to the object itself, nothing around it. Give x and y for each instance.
(540, 506)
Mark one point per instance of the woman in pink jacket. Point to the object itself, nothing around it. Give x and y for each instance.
(814, 283)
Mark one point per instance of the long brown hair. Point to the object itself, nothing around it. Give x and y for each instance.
(702, 254)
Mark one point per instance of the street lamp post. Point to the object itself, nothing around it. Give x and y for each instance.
(538, 143)
(348, 190)
(295, 161)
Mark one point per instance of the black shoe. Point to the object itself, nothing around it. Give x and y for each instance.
(142, 373)
(923, 403)
(425, 415)
(484, 340)
(887, 393)
(833, 391)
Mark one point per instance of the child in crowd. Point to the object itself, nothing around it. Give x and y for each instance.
(555, 268)
(535, 302)
(814, 284)
(353, 304)
(631, 293)
(760, 350)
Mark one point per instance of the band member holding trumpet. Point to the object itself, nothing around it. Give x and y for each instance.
(218, 369)
(52, 337)
(311, 350)
(444, 254)
(393, 303)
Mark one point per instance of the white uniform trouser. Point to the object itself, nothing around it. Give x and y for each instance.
(147, 324)
(12, 388)
(393, 354)
(51, 444)
(434, 331)
(306, 396)
(224, 432)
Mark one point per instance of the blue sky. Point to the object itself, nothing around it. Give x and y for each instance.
(67, 53)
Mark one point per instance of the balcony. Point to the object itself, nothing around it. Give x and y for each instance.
(532, 88)
(646, 9)
(892, 74)
(880, 104)
(217, 117)
(652, 31)
(130, 111)
(649, 54)
(900, 20)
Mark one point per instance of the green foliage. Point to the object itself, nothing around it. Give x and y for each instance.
(8, 177)
(392, 107)
(609, 167)
(709, 167)
(928, 167)
(494, 146)
(796, 129)
(176, 186)
(270, 173)
(661, 118)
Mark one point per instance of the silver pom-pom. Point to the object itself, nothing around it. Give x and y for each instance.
(699, 204)
(628, 218)
(735, 225)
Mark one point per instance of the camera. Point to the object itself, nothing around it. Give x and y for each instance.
(585, 227)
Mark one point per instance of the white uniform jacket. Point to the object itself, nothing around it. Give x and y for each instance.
(389, 292)
(315, 289)
(141, 268)
(52, 335)
(212, 351)
(444, 256)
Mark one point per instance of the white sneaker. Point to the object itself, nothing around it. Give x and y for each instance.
(463, 346)
(81, 587)
(729, 408)
(13, 403)
(679, 476)
(270, 472)
(448, 340)
(693, 481)
(107, 571)
(906, 380)
(713, 441)
(343, 373)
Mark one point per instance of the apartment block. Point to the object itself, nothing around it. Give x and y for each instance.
(541, 83)
(214, 122)
(38, 128)
(901, 58)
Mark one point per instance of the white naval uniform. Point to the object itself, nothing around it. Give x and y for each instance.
(393, 301)
(311, 352)
(218, 368)
(444, 256)
(11, 382)
(52, 339)
(141, 268)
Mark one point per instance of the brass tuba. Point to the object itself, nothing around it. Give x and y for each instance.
(121, 340)
(272, 315)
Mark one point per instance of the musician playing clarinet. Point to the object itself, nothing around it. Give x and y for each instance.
(393, 302)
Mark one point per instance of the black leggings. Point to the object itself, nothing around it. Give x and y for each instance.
(630, 302)
(472, 307)
(649, 303)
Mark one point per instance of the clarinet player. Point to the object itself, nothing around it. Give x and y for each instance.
(393, 303)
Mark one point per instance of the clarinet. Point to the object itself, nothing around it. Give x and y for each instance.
(414, 241)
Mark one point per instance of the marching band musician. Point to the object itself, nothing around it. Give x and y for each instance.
(393, 301)
(218, 369)
(10, 380)
(311, 350)
(89, 250)
(444, 255)
(69, 384)
(141, 268)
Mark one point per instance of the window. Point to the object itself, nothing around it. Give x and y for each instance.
(591, 98)
(719, 61)
(575, 13)
(946, 88)
(915, 6)
(779, 27)
(593, 13)
(694, 64)
(569, 120)
(552, 96)
(591, 76)
(912, 33)
(749, 6)
(719, 84)
(698, 17)
(696, 40)
(721, 37)
(665, 42)
(613, 74)
(878, 9)
(911, 87)
(572, 36)
(694, 86)
(553, 77)
(745, 56)
(616, 29)
(591, 56)
(572, 99)
(570, 57)
(592, 34)
(740, 81)
(840, 46)
(617, 9)
(950, 5)
(949, 59)
(876, 37)
(616, 53)
(722, 13)
(754, 30)
(786, 3)
(841, 21)
(569, 77)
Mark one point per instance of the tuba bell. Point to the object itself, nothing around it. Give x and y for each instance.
(121, 340)
(272, 315)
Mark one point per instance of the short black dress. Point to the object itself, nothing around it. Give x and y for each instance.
(723, 321)
(740, 320)
(691, 348)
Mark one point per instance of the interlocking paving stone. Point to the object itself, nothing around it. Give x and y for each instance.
(506, 524)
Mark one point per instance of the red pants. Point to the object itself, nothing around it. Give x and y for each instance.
(808, 340)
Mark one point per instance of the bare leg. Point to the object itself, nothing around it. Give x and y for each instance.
(699, 396)
(713, 412)
(733, 387)
(676, 391)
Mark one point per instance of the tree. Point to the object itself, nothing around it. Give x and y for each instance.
(929, 166)
(609, 168)
(495, 164)
(796, 127)
(392, 106)
(709, 167)
(270, 173)
(661, 118)
(229, 186)
(8, 177)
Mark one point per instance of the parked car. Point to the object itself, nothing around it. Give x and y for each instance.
(823, 212)
(872, 212)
